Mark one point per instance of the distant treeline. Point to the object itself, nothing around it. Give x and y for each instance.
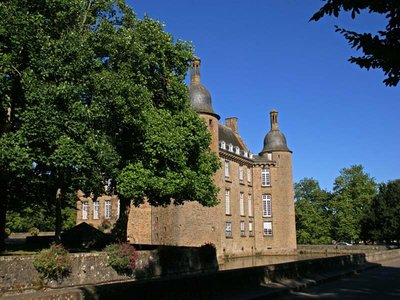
(358, 209)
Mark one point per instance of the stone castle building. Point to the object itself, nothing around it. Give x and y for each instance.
(255, 214)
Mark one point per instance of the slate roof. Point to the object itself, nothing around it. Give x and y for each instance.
(229, 137)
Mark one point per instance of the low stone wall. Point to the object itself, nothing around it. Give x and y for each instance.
(17, 274)
(205, 285)
(341, 249)
(382, 255)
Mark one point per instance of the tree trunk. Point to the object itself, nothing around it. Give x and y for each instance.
(58, 216)
(120, 230)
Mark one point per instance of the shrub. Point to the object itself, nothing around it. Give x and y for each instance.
(33, 231)
(7, 232)
(105, 226)
(53, 263)
(122, 257)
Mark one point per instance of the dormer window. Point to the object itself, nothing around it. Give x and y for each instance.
(269, 156)
(230, 147)
(251, 155)
(246, 154)
(223, 145)
(237, 150)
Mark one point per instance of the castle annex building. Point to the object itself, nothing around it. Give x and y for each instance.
(256, 210)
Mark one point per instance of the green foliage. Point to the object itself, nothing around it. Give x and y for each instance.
(7, 232)
(353, 192)
(53, 263)
(105, 226)
(34, 231)
(322, 217)
(122, 257)
(381, 49)
(92, 93)
(313, 217)
(382, 220)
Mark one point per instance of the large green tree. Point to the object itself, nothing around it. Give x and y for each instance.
(353, 192)
(313, 216)
(92, 93)
(381, 50)
(382, 220)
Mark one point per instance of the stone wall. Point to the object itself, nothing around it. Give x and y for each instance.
(18, 276)
(205, 285)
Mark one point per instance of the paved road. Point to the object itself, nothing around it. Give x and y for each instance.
(377, 283)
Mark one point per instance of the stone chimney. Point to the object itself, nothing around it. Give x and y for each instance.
(274, 119)
(195, 71)
(232, 123)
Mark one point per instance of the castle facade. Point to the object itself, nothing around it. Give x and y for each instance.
(255, 214)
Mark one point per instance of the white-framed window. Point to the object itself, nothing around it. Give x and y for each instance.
(265, 177)
(249, 175)
(267, 228)
(250, 205)
(230, 147)
(223, 145)
(107, 209)
(241, 173)
(250, 228)
(228, 229)
(242, 231)
(245, 154)
(226, 168)
(266, 204)
(85, 210)
(241, 204)
(96, 210)
(227, 202)
(237, 150)
(269, 156)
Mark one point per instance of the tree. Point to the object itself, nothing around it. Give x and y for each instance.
(141, 101)
(381, 50)
(92, 93)
(353, 192)
(382, 220)
(313, 217)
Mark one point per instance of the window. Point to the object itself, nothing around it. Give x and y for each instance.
(267, 228)
(96, 209)
(107, 209)
(237, 150)
(223, 145)
(241, 204)
(242, 232)
(227, 202)
(248, 175)
(250, 228)
(241, 173)
(269, 156)
(228, 229)
(227, 168)
(230, 147)
(250, 205)
(246, 154)
(265, 177)
(85, 210)
(267, 207)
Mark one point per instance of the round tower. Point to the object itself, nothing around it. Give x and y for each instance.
(276, 150)
(200, 99)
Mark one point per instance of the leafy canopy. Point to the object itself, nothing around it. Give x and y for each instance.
(92, 93)
(312, 213)
(381, 50)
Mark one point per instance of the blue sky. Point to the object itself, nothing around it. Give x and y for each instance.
(264, 54)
